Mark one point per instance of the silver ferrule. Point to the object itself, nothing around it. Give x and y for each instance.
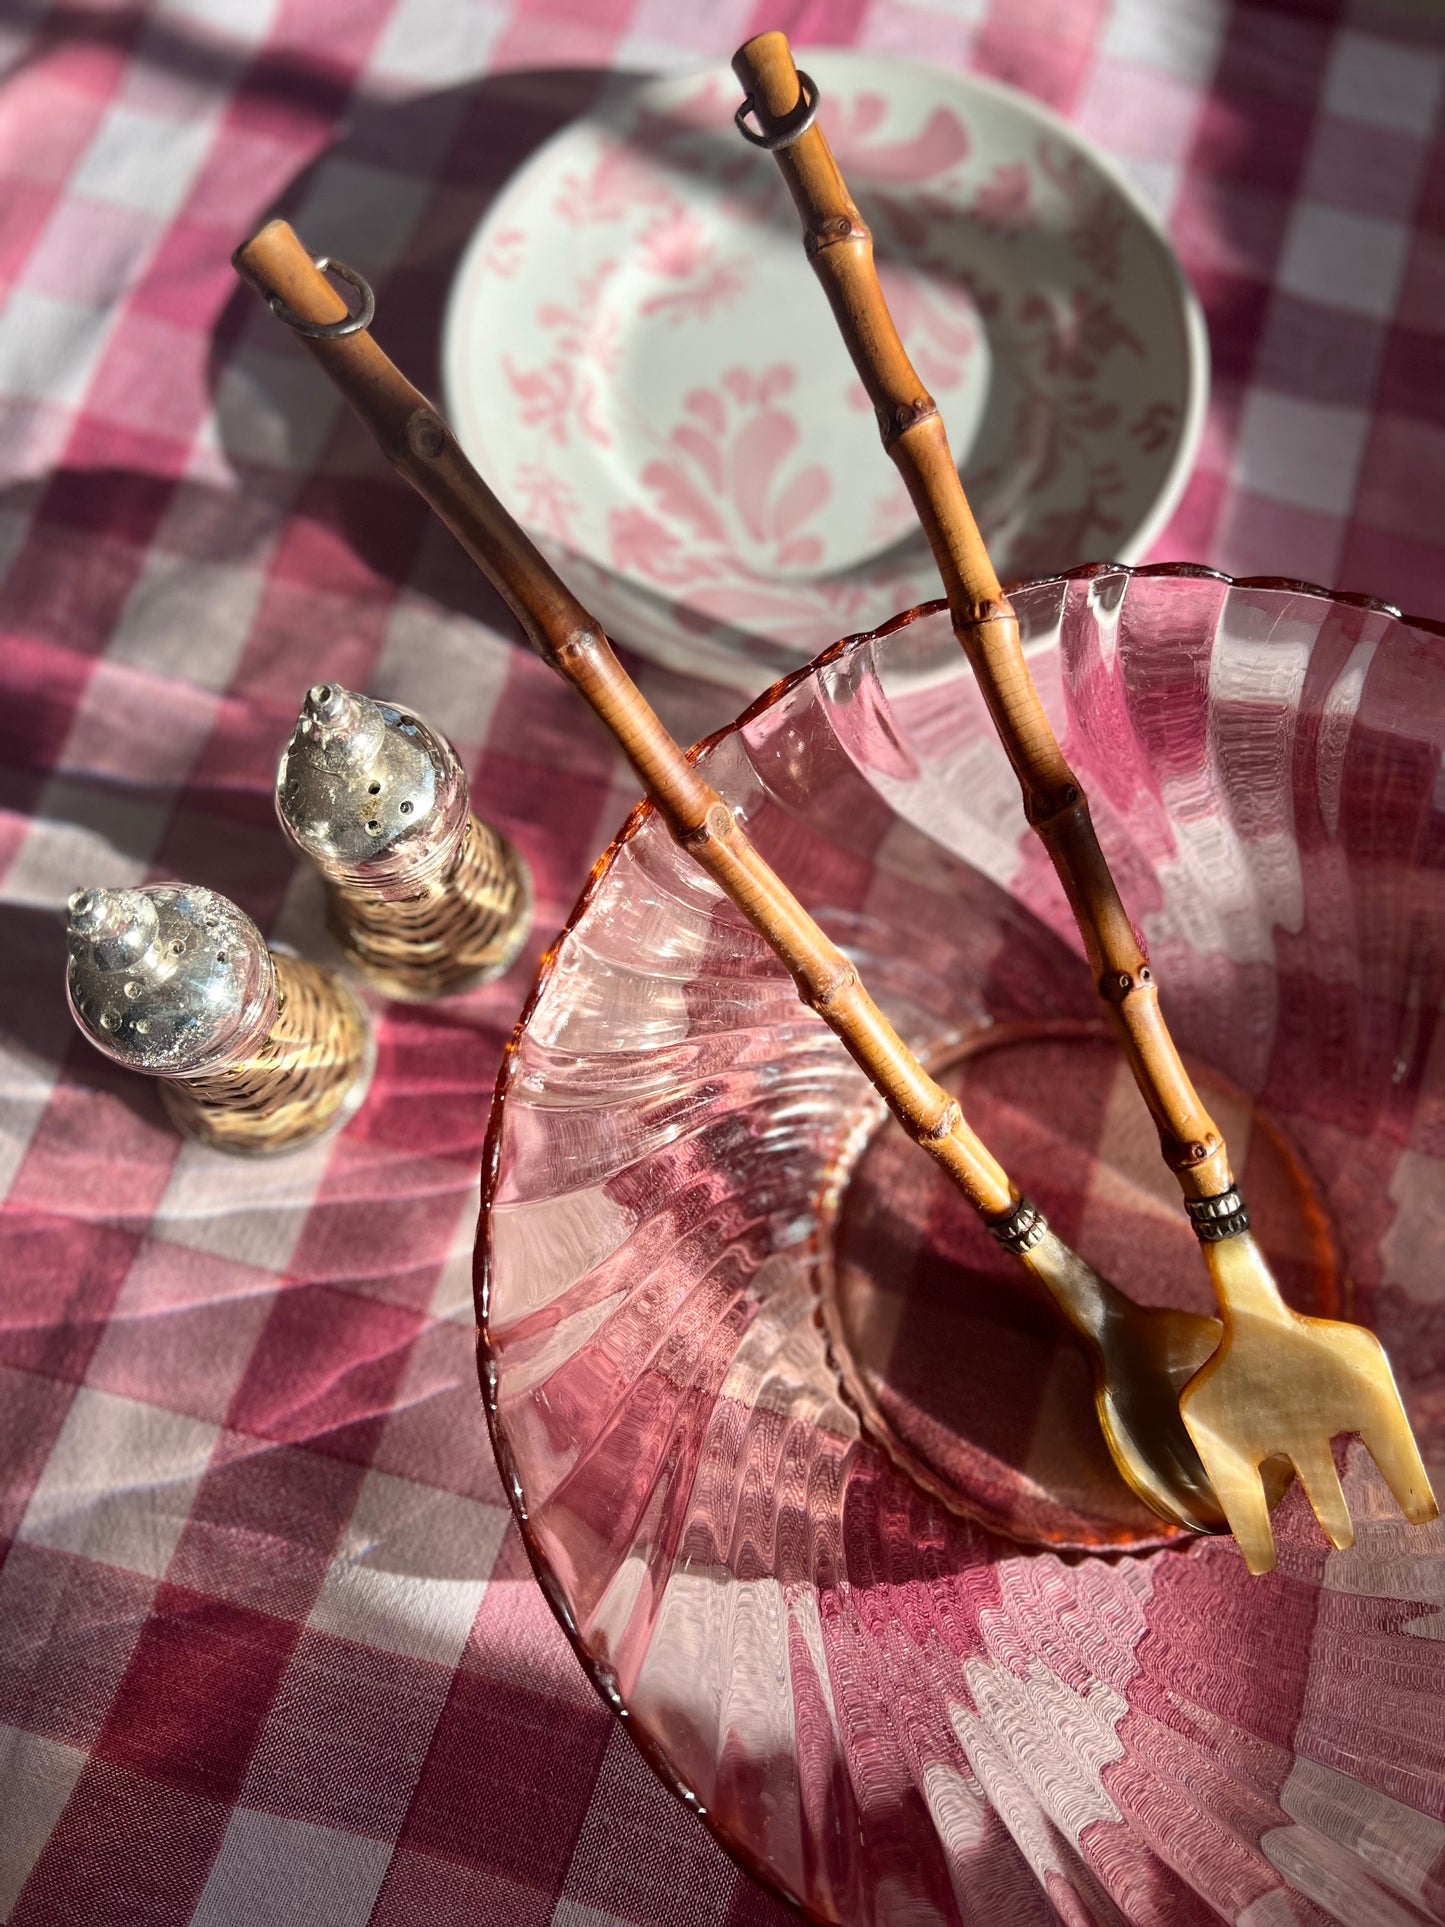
(172, 980)
(376, 798)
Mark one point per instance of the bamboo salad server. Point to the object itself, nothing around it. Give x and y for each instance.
(1140, 1356)
(1280, 1385)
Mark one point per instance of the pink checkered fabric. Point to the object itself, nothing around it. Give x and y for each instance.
(269, 1647)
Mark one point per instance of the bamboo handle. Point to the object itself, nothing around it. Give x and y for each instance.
(415, 439)
(840, 248)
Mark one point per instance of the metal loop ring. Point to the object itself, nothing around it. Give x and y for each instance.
(331, 330)
(797, 123)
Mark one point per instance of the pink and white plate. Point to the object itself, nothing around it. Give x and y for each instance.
(638, 359)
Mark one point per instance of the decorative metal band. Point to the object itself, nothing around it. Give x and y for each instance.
(1216, 1218)
(331, 330)
(796, 124)
(1022, 1228)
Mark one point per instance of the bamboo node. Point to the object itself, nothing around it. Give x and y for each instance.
(830, 231)
(950, 1119)
(896, 418)
(1189, 1154)
(1118, 987)
(426, 434)
(584, 644)
(715, 827)
(827, 996)
(1044, 808)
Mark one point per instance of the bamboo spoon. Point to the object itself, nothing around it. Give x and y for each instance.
(1279, 1385)
(1140, 1356)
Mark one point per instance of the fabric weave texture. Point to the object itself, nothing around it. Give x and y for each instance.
(270, 1649)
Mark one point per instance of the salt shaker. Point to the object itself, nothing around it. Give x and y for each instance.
(424, 898)
(256, 1052)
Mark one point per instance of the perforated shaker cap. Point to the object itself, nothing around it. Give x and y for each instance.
(370, 792)
(173, 979)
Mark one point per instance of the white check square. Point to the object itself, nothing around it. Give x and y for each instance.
(1385, 83)
(1344, 260)
(119, 1483)
(271, 409)
(83, 833)
(1179, 37)
(411, 1569)
(248, 21)
(575, 1913)
(442, 664)
(1158, 181)
(274, 1869)
(1304, 453)
(188, 620)
(36, 1779)
(251, 1210)
(438, 46)
(365, 214)
(49, 346)
(144, 161)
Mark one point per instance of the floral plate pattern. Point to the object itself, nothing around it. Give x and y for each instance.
(636, 356)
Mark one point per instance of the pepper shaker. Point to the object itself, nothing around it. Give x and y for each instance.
(424, 898)
(256, 1052)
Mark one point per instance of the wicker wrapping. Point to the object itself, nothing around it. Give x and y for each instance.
(463, 928)
(304, 1078)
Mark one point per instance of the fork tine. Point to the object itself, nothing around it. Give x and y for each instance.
(1315, 1464)
(1240, 1492)
(1391, 1444)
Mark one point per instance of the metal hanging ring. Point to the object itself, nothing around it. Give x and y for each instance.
(331, 330)
(797, 123)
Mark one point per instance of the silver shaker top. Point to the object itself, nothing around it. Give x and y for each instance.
(369, 792)
(172, 979)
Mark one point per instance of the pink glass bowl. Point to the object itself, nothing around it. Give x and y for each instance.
(808, 1476)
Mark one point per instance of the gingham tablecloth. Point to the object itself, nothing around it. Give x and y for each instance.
(270, 1651)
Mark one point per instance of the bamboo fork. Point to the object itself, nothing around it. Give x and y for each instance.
(1140, 1355)
(1280, 1385)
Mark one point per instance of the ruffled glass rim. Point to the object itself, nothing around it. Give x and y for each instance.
(597, 1670)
